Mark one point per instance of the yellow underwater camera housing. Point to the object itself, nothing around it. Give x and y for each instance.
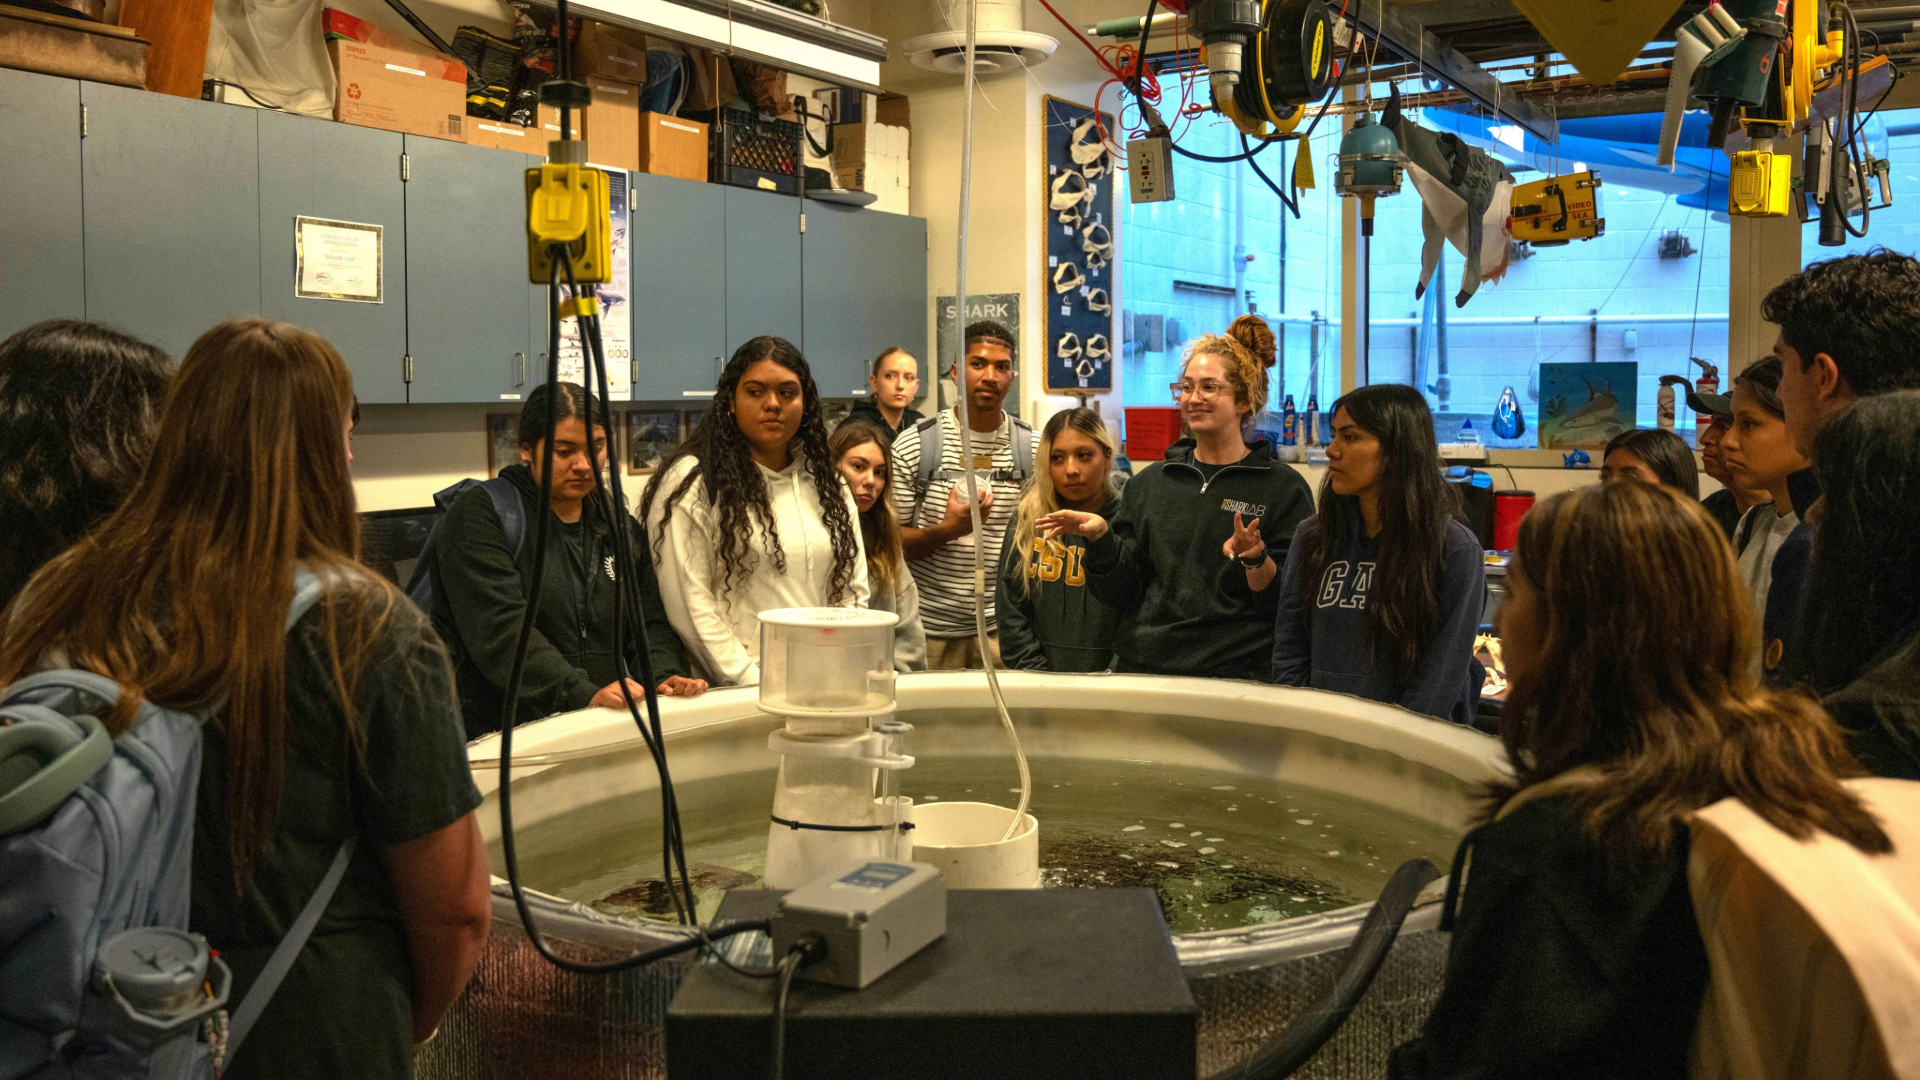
(1558, 209)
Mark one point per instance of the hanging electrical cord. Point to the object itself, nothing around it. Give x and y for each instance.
(966, 429)
(652, 733)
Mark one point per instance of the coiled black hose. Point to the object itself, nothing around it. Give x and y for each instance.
(1303, 1036)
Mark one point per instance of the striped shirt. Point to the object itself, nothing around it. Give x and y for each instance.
(945, 577)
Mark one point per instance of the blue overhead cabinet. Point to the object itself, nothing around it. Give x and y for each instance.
(41, 272)
(164, 217)
(679, 287)
(763, 266)
(865, 289)
(333, 235)
(469, 321)
(172, 213)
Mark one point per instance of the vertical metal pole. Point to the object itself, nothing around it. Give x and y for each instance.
(1442, 386)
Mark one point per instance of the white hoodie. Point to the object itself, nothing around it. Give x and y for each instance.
(721, 627)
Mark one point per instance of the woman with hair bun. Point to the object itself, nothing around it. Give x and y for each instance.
(1199, 539)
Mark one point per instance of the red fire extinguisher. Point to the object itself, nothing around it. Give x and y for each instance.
(1707, 383)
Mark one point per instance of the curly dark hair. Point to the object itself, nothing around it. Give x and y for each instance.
(723, 458)
(1862, 310)
(988, 330)
(79, 403)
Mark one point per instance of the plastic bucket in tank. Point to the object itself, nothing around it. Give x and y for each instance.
(962, 839)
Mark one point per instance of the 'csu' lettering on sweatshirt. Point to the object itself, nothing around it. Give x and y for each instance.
(1191, 611)
(1322, 642)
(1054, 623)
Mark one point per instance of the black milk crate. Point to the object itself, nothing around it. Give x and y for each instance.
(753, 151)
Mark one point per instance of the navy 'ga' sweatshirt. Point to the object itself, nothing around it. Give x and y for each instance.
(1055, 623)
(1325, 645)
(1189, 610)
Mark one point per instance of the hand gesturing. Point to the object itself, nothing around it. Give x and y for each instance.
(1246, 541)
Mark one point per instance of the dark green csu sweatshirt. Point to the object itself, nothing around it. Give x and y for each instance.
(1188, 610)
(1055, 623)
(480, 597)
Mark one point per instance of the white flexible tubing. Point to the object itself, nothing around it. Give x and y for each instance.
(966, 433)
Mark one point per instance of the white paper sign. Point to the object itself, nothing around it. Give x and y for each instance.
(337, 260)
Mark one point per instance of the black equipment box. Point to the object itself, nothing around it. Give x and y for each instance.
(1028, 984)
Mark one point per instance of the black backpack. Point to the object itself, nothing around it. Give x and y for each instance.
(513, 520)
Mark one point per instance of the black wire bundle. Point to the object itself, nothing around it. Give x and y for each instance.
(611, 503)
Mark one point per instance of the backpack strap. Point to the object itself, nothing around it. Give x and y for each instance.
(931, 438)
(1022, 449)
(513, 513)
(307, 587)
(285, 953)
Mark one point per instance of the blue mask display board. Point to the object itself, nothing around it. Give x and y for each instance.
(1078, 293)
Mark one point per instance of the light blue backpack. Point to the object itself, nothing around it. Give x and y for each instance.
(99, 976)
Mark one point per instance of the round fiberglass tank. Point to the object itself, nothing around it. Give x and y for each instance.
(1265, 818)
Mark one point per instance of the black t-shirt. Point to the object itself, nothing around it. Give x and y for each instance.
(345, 1009)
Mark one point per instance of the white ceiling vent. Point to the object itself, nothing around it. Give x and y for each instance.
(1001, 40)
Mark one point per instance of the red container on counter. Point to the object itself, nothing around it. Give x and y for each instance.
(1508, 508)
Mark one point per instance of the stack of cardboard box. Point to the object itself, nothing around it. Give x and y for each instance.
(387, 81)
(872, 153)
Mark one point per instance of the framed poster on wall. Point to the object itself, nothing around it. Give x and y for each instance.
(1078, 282)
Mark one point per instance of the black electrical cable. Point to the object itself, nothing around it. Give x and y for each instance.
(788, 967)
(612, 506)
(1285, 200)
(509, 852)
(810, 949)
(1265, 140)
(652, 734)
(1140, 56)
(1289, 1048)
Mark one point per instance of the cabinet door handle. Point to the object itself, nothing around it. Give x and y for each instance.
(519, 369)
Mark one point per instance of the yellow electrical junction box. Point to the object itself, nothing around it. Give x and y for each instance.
(1760, 184)
(571, 205)
(1558, 209)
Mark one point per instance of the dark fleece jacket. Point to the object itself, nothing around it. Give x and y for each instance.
(481, 595)
(1189, 610)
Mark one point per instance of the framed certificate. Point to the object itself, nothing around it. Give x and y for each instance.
(337, 260)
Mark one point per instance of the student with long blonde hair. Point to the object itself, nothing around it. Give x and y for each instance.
(1200, 538)
(860, 451)
(1049, 619)
(1574, 947)
(346, 727)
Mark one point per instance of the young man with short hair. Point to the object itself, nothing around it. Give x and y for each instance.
(1849, 328)
(930, 497)
(1727, 504)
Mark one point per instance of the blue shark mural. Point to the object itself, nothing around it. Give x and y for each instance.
(1621, 148)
